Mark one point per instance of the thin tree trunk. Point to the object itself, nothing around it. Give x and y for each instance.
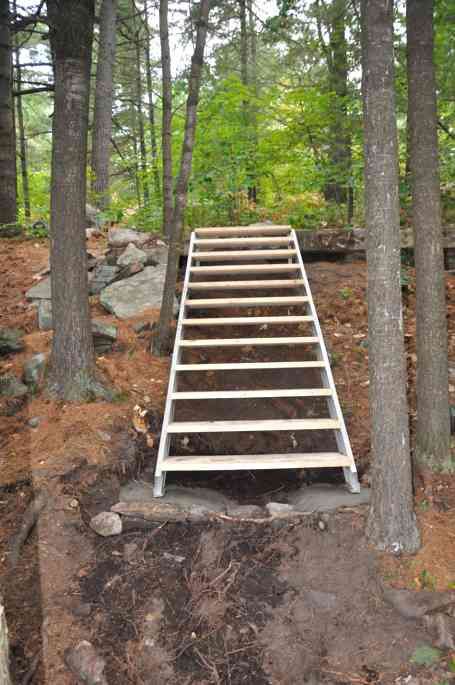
(20, 123)
(181, 193)
(253, 194)
(5, 677)
(8, 189)
(433, 424)
(137, 183)
(152, 123)
(72, 367)
(391, 522)
(104, 93)
(168, 181)
(140, 118)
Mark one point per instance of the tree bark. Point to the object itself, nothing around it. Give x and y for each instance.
(140, 115)
(391, 522)
(8, 190)
(104, 93)
(151, 108)
(161, 340)
(72, 368)
(5, 677)
(21, 126)
(168, 181)
(433, 424)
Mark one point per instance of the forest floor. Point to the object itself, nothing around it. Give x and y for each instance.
(275, 603)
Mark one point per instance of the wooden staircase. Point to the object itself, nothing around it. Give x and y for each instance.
(242, 253)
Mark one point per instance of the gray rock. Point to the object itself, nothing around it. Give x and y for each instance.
(278, 509)
(34, 369)
(132, 255)
(122, 237)
(104, 336)
(245, 511)
(40, 291)
(10, 340)
(157, 254)
(86, 664)
(103, 275)
(177, 558)
(45, 322)
(106, 523)
(10, 386)
(134, 295)
(202, 498)
(142, 326)
(327, 498)
(34, 422)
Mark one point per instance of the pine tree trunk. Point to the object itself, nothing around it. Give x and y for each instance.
(433, 424)
(140, 113)
(104, 92)
(5, 677)
(253, 194)
(21, 126)
(391, 522)
(181, 193)
(152, 123)
(72, 368)
(168, 181)
(8, 190)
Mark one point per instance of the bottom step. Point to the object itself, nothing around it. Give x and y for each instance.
(255, 461)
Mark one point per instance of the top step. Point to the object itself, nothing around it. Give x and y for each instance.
(243, 230)
(242, 241)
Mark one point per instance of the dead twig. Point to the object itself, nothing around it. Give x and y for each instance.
(29, 520)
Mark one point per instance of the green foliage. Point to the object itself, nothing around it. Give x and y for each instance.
(427, 581)
(345, 293)
(425, 655)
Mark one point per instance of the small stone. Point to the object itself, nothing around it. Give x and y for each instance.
(174, 557)
(122, 237)
(130, 551)
(278, 509)
(34, 422)
(34, 369)
(104, 336)
(106, 523)
(10, 386)
(45, 322)
(86, 664)
(10, 340)
(131, 255)
(321, 525)
(73, 503)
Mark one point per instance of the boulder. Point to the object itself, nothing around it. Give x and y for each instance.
(10, 340)
(45, 315)
(103, 275)
(92, 215)
(104, 336)
(132, 255)
(10, 386)
(40, 291)
(106, 523)
(34, 369)
(122, 237)
(131, 297)
(157, 254)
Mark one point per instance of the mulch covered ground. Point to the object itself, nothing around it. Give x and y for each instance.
(207, 603)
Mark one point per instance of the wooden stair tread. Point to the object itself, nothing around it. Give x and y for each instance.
(253, 426)
(246, 320)
(236, 462)
(240, 242)
(245, 394)
(247, 301)
(239, 342)
(248, 285)
(246, 366)
(227, 255)
(243, 230)
(244, 268)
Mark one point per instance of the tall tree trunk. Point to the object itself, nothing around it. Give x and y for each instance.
(181, 192)
(253, 192)
(338, 186)
(8, 190)
(168, 181)
(134, 136)
(104, 93)
(140, 116)
(5, 677)
(21, 126)
(391, 522)
(433, 424)
(72, 367)
(152, 123)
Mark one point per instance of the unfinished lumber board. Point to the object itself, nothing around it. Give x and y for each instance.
(250, 366)
(247, 301)
(246, 320)
(244, 268)
(240, 342)
(243, 230)
(236, 462)
(252, 426)
(248, 285)
(241, 242)
(246, 394)
(228, 255)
